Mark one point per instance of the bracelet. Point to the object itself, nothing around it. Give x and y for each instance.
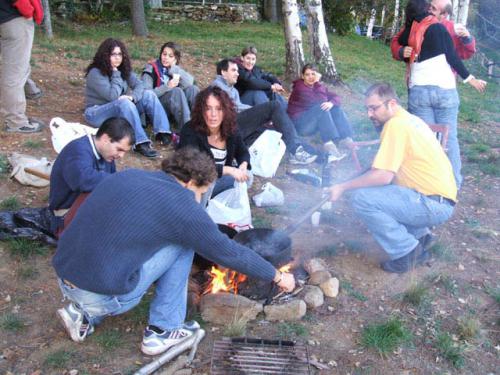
(281, 278)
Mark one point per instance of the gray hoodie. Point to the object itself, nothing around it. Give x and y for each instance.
(219, 81)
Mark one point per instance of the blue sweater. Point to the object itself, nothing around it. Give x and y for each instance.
(127, 219)
(75, 171)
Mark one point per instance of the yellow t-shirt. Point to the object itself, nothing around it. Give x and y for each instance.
(410, 149)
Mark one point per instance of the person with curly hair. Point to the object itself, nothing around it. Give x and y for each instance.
(212, 129)
(113, 90)
(172, 85)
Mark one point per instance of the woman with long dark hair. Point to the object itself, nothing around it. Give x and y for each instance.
(212, 129)
(172, 85)
(431, 55)
(113, 90)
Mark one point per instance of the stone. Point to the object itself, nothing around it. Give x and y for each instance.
(73, 372)
(313, 296)
(319, 277)
(315, 264)
(221, 308)
(330, 287)
(290, 311)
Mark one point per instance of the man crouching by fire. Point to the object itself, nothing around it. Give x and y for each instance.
(143, 227)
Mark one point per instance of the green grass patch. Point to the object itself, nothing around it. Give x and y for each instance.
(236, 328)
(24, 248)
(349, 289)
(33, 143)
(354, 246)
(139, 314)
(494, 293)
(291, 330)
(11, 322)
(272, 210)
(109, 340)
(59, 359)
(10, 204)
(4, 165)
(385, 337)
(261, 222)
(416, 295)
(448, 283)
(442, 252)
(27, 273)
(328, 251)
(469, 327)
(450, 350)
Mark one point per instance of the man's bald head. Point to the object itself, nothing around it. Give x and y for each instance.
(441, 8)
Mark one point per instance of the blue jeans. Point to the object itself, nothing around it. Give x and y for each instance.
(254, 97)
(333, 125)
(169, 268)
(397, 216)
(435, 105)
(124, 108)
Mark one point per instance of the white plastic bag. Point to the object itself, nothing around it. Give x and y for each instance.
(21, 161)
(232, 207)
(266, 153)
(270, 196)
(64, 132)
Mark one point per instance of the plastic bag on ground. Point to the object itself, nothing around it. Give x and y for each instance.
(232, 207)
(270, 196)
(64, 132)
(19, 164)
(266, 153)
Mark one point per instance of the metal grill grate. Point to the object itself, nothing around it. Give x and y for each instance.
(241, 356)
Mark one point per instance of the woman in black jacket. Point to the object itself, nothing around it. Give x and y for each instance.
(212, 129)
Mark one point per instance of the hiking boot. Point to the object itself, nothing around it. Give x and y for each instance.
(163, 138)
(301, 156)
(427, 241)
(333, 154)
(33, 126)
(156, 341)
(75, 322)
(145, 150)
(34, 95)
(408, 262)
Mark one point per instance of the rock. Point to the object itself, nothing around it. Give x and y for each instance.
(313, 296)
(330, 287)
(315, 264)
(293, 310)
(73, 372)
(220, 308)
(319, 277)
(331, 308)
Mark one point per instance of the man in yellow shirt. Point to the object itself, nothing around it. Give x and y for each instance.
(409, 187)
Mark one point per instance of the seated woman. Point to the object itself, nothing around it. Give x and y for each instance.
(113, 90)
(172, 85)
(254, 85)
(313, 107)
(212, 129)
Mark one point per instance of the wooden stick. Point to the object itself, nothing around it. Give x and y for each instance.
(34, 172)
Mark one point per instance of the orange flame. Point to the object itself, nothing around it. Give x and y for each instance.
(286, 267)
(224, 280)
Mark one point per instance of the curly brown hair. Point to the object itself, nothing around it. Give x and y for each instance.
(188, 164)
(228, 126)
(102, 57)
(175, 48)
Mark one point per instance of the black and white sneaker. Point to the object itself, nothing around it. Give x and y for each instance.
(156, 341)
(75, 322)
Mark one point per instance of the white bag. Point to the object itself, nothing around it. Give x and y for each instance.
(232, 207)
(64, 132)
(20, 161)
(266, 153)
(270, 196)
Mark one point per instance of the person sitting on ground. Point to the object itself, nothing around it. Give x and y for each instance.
(172, 85)
(313, 107)
(114, 90)
(253, 119)
(254, 85)
(82, 165)
(212, 130)
(142, 227)
(409, 188)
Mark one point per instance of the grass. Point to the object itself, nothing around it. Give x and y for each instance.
(28, 272)
(24, 248)
(292, 330)
(11, 322)
(261, 221)
(139, 314)
(328, 251)
(236, 328)
(4, 165)
(33, 143)
(59, 359)
(494, 293)
(448, 283)
(449, 350)
(416, 294)
(349, 289)
(385, 337)
(469, 327)
(442, 252)
(109, 340)
(10, 204)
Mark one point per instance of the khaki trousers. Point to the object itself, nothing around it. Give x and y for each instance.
(16, 38)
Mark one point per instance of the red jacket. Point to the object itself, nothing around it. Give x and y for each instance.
(304, 97)
(464, 51)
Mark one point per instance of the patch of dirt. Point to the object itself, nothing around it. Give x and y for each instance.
(470, 265)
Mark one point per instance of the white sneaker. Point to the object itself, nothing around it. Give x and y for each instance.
(347, 143)
(301, 156)
(75, 322)
(154, 342)
(333, 153)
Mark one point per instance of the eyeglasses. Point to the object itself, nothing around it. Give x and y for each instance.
(374, 108)
(116, 54)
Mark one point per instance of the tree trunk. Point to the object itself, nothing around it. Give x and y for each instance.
(47, 21)
(394, 27)
(455, 7)
(371, 23)
(272, 11)
(139, 27)
(463, 12)
(155, 4)
(318, 40)
(382, 16)
(293, 36)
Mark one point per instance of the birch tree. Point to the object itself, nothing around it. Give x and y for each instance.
(454, 17)
(318, 40)
(139, 27)
(293, 37)
(371, 22)
(47, 20)
(382, 16)
(463, 12)
(394, 27)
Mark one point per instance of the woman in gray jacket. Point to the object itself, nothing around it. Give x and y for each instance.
(172, 85)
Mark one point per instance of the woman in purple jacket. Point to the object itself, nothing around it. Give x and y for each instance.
(313, 107)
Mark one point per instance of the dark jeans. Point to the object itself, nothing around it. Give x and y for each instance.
(333, 125)
(255, 97)
(253, 119)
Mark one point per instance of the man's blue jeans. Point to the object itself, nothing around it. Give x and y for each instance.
(333, 125)
(397, 216)
(254, 97)
(131, 112)
(169, 268)
(435, 105)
